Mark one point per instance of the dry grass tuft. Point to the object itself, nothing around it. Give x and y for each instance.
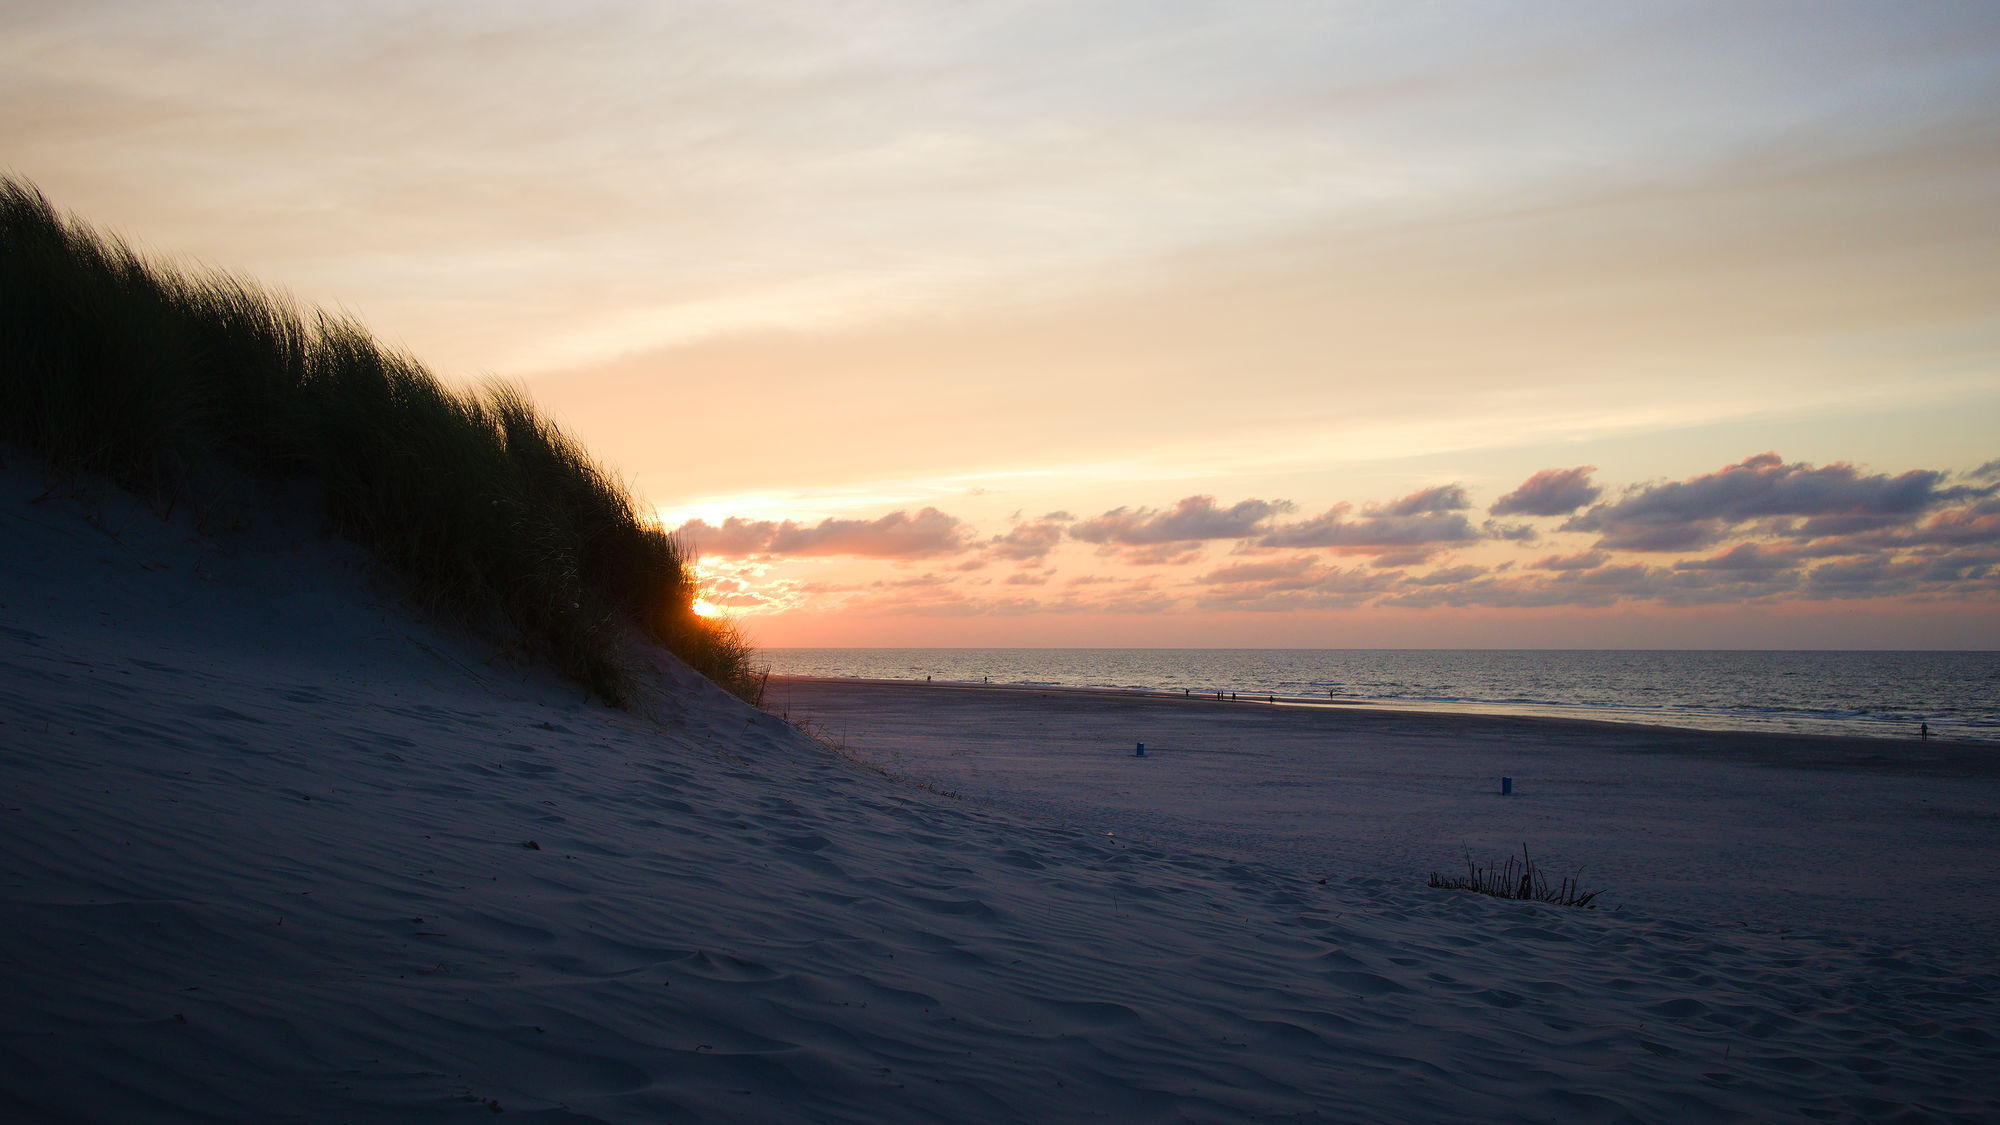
(1516, 879)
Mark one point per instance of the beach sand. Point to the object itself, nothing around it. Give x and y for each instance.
(1771, 831)
(277, 851)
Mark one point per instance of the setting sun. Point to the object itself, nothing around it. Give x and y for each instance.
(705, 608)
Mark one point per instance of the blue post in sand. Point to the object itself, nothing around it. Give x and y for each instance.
(1140, 752)
(1506, 786)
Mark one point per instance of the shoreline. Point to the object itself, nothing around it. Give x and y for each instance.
(1886, 695)
(1933, 757)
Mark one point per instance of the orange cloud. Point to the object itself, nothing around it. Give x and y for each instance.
(898, 535)
(1194, 519)
(1550, 492)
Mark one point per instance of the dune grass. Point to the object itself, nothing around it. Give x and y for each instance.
(1516, 879)
(175, 382)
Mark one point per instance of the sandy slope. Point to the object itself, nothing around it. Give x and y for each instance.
(265, 844)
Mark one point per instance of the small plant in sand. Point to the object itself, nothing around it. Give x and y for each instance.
(1518, 878)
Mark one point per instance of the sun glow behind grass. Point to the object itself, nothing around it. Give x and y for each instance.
(183, 386)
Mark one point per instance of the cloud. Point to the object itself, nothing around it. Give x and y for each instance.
(1972, 525)
(1796, 500)
(898, 535)
(1194, 519)
(1160, 554)
(1758, 531)
(1302, 567)
(1550, 492)
(1516, 532)
(1031, 541)
(1597, 586)
(1340, 589)
(1011, 599)
(1958, 567)
(1582, 560)
(1427, 519)
(1404, 556)
(1861, 578)
(1745, 557)
(1450, 576)
(1297, 583)
(1443, 498)
(923, 581)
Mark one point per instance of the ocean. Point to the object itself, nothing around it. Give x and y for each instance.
(1872, 694)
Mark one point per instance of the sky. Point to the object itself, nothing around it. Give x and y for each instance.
(1347, 323)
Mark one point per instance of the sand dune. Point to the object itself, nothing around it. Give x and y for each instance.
(275, 851)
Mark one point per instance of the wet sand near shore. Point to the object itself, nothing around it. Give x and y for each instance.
(1109, 713)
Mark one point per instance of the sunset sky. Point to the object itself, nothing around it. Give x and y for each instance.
(1263, 324)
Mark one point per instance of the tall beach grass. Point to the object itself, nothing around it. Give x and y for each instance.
(174, 382)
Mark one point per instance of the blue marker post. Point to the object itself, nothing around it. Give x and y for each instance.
(1506, 787)
(1140, 752)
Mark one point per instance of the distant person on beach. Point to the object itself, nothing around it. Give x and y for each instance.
(1925, 732)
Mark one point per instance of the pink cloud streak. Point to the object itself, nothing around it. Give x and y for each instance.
(1758, 531)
